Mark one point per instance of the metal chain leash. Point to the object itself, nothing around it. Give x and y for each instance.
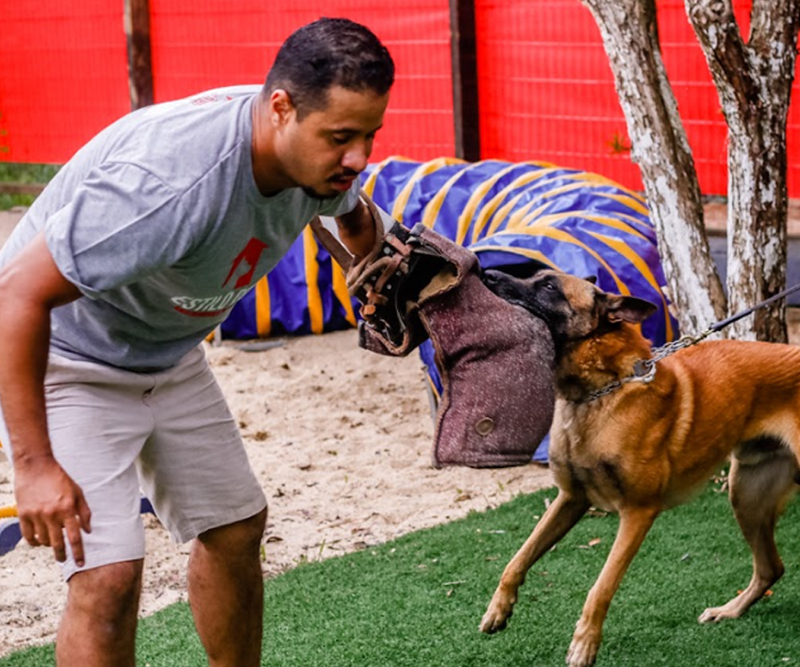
(644, 370)
(666, 350)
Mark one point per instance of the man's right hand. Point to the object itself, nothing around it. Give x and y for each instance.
(50, 505)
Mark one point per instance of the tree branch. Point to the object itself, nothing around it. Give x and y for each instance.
(753, 82)
(773, 43)
(718, 33)
(773, 22)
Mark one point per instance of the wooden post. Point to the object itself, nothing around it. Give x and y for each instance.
(465, 79)
(15, 188)
(140, 68)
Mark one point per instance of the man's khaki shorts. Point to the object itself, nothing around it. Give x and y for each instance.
(168, 434)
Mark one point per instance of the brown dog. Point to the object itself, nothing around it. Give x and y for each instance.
(645, 447)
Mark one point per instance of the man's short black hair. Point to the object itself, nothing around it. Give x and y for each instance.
(329, 52)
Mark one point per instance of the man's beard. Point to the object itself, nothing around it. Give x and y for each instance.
(347, 173)
(316, 195)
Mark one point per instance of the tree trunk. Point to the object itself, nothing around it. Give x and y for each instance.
(754, 84)
(660, 148)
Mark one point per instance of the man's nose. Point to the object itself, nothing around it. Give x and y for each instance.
(356, 158)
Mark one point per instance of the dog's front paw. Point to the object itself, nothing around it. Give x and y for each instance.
(498, 613)
(581, 654)
(583, 649)
(717, 614)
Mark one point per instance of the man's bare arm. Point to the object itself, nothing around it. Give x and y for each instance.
(357, 231)
(49, 503)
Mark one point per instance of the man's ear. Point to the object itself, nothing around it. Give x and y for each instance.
(626, 309)
(280, 106)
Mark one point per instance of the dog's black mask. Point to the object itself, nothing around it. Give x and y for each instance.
(572, 308)
(540, 295)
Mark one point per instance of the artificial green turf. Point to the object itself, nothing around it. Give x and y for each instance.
(417, 601)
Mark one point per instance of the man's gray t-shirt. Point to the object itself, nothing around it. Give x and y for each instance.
(159, 223)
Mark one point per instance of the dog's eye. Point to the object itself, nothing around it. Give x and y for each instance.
(549, 287)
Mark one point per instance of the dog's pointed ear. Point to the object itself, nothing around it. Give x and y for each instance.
(591, 279)
(627, 309)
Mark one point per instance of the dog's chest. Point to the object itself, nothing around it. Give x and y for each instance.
(577, 432)
(582, 456)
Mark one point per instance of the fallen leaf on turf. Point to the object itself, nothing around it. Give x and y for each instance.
(593, 511)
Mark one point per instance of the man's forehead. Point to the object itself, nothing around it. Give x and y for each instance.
(351, 109)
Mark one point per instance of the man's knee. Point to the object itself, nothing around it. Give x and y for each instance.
(109, 593)
(242, 536)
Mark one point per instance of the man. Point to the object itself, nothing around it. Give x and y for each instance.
(137, 249)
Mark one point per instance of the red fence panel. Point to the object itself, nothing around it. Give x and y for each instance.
(200, 44)
(63, 76)
(546, 89)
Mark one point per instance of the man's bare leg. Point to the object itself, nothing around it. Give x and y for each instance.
(226, 592)
(98, 628)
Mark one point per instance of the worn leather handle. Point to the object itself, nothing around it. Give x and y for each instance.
(331, 244)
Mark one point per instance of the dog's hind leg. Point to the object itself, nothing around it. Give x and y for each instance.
(634, 524)
(758, 493)
(563, 513)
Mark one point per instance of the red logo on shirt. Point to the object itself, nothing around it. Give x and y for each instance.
(243, 267)
(249, 257)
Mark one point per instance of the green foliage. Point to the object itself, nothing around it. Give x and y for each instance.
(619, 144)
(417, 601)
(23, 173)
